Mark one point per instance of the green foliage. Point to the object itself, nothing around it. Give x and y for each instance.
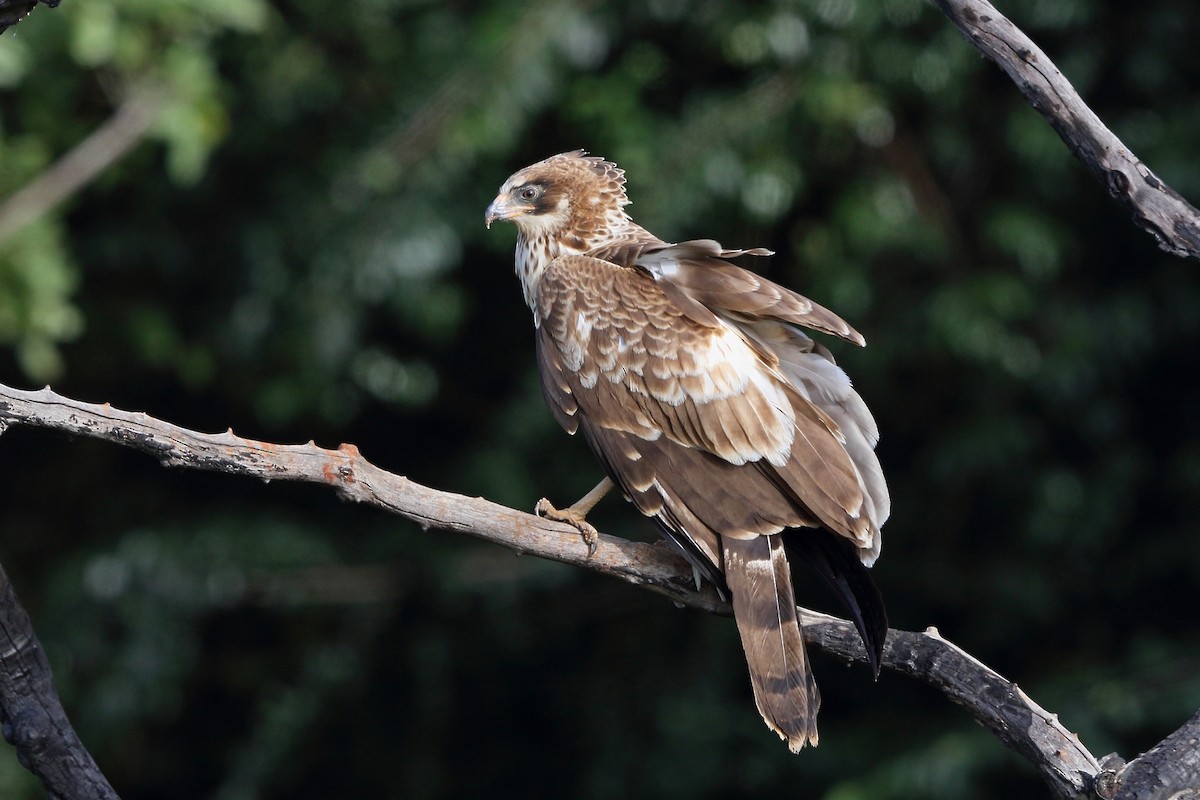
(36, 308)
(296, 250)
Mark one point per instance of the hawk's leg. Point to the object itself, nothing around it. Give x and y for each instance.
(576, 514)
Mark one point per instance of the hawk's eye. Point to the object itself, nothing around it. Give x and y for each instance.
(529, 193)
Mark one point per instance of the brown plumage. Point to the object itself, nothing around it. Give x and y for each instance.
(711, 410)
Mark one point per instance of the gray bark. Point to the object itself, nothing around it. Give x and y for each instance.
(1155, 206)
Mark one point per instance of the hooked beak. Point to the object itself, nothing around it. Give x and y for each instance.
(501, 209)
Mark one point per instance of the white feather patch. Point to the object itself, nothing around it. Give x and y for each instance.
(728, 347)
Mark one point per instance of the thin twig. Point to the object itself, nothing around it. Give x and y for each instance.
(84, 162)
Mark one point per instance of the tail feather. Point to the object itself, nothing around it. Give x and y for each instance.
(764, 607)
(836, 560)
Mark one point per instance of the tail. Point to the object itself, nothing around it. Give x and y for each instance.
(764, 607)
(837, 561)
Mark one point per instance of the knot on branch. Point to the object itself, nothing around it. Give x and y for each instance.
(1108, 780)
(30, 730)
(1118, 183)
(1186, 230)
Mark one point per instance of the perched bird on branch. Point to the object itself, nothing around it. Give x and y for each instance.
(709, 408)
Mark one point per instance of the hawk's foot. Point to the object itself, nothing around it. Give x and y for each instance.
(572, 517)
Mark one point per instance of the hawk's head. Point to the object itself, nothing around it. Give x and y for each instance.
(570, 195)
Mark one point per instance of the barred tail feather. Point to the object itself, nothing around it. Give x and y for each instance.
(764, 607)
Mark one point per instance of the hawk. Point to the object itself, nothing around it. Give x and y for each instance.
(711, 410)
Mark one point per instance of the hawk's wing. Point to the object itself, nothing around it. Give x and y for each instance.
(695, 272)
(692, 416)
(697, 269)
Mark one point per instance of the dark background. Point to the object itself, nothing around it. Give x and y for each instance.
(296, 250)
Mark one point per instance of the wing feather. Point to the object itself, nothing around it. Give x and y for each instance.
(698, 269)
(693, 422)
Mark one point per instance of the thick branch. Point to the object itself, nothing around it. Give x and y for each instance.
(1155, 206)
(34, 720)
(1168, 771)
(995, 702)
(13, 11)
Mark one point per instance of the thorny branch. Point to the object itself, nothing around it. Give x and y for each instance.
(995, 702)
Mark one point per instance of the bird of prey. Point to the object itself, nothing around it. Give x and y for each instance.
(709, 408)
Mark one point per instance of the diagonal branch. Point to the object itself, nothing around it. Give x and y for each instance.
(354, 478)
(1160, 773)
(33, 717)
(105, 145)
(1155, 206)
(996, 703)
(999, 705)
(1172, 768)
(13, 11)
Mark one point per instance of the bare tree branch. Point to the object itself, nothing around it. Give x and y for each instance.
(13, 11)
(1168, 771)
(76, 169)
(999, 705)
(1156, 207)
(33, 718)
(355, 478)
(996, 703)
(1172, 768)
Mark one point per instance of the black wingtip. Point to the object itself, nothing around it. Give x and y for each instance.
(836, 560)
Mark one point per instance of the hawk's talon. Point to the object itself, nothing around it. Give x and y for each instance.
(574, 518)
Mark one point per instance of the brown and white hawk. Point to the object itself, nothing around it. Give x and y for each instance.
(711, 410)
